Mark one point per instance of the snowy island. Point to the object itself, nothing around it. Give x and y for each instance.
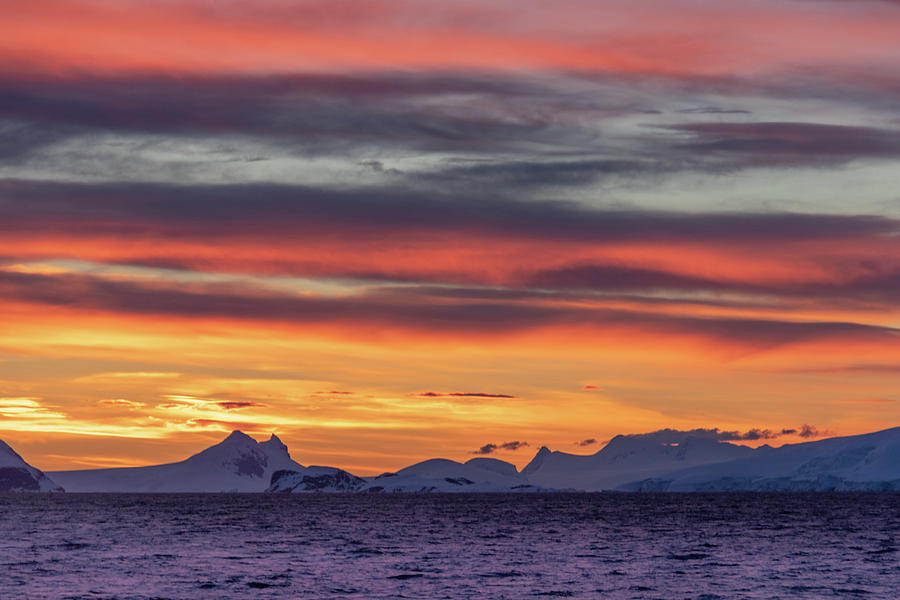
(637, 463)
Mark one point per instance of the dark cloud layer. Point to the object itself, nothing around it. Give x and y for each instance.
(224, 211)
(792, 142)
(877, 279)
(514, 131)
(550, 172)
(363, 312)
(306, 114)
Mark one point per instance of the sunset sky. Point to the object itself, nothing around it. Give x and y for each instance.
(390, 230)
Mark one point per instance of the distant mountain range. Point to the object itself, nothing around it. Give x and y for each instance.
(641, 462)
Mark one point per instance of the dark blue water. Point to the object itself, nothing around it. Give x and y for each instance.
(450, 546)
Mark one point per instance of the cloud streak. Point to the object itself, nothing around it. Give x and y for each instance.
(505, 130)
(491, 448)
(461, 395)
(364, 314)
(791, 143)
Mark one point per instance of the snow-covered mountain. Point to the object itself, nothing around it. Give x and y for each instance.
(442, 475)
(16, 475)
(237, 464)
(625, 459)
(862, 462)
(435, 475)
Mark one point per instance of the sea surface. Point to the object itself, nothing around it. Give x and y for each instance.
(827, 545)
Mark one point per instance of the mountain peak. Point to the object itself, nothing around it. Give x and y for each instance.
(537, 461)
(7, 450)
(237, 439)
(274, 446)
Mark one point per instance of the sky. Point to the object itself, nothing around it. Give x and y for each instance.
(393, 230)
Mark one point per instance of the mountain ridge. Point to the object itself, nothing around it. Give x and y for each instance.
(636, 462)
(868, 461)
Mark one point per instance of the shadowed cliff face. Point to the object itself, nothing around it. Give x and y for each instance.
(15, 479)
(321, 479)
(251, 465)
(16, 475)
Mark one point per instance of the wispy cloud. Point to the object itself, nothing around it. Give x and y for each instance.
(121, 403)
(361, 313)
(510, 446)
(461, 395)
(792, 143)
(237, 405)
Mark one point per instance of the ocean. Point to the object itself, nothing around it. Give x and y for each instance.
(667, 546)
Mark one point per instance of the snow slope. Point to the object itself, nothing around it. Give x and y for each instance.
(237, 464)
(862, 462)
(443, 475)
(16, 475)
(625, 459)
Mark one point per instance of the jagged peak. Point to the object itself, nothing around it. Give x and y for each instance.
(237, 441)
(4, 447)
(537, 461)
(9, 455)
(275, 444)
